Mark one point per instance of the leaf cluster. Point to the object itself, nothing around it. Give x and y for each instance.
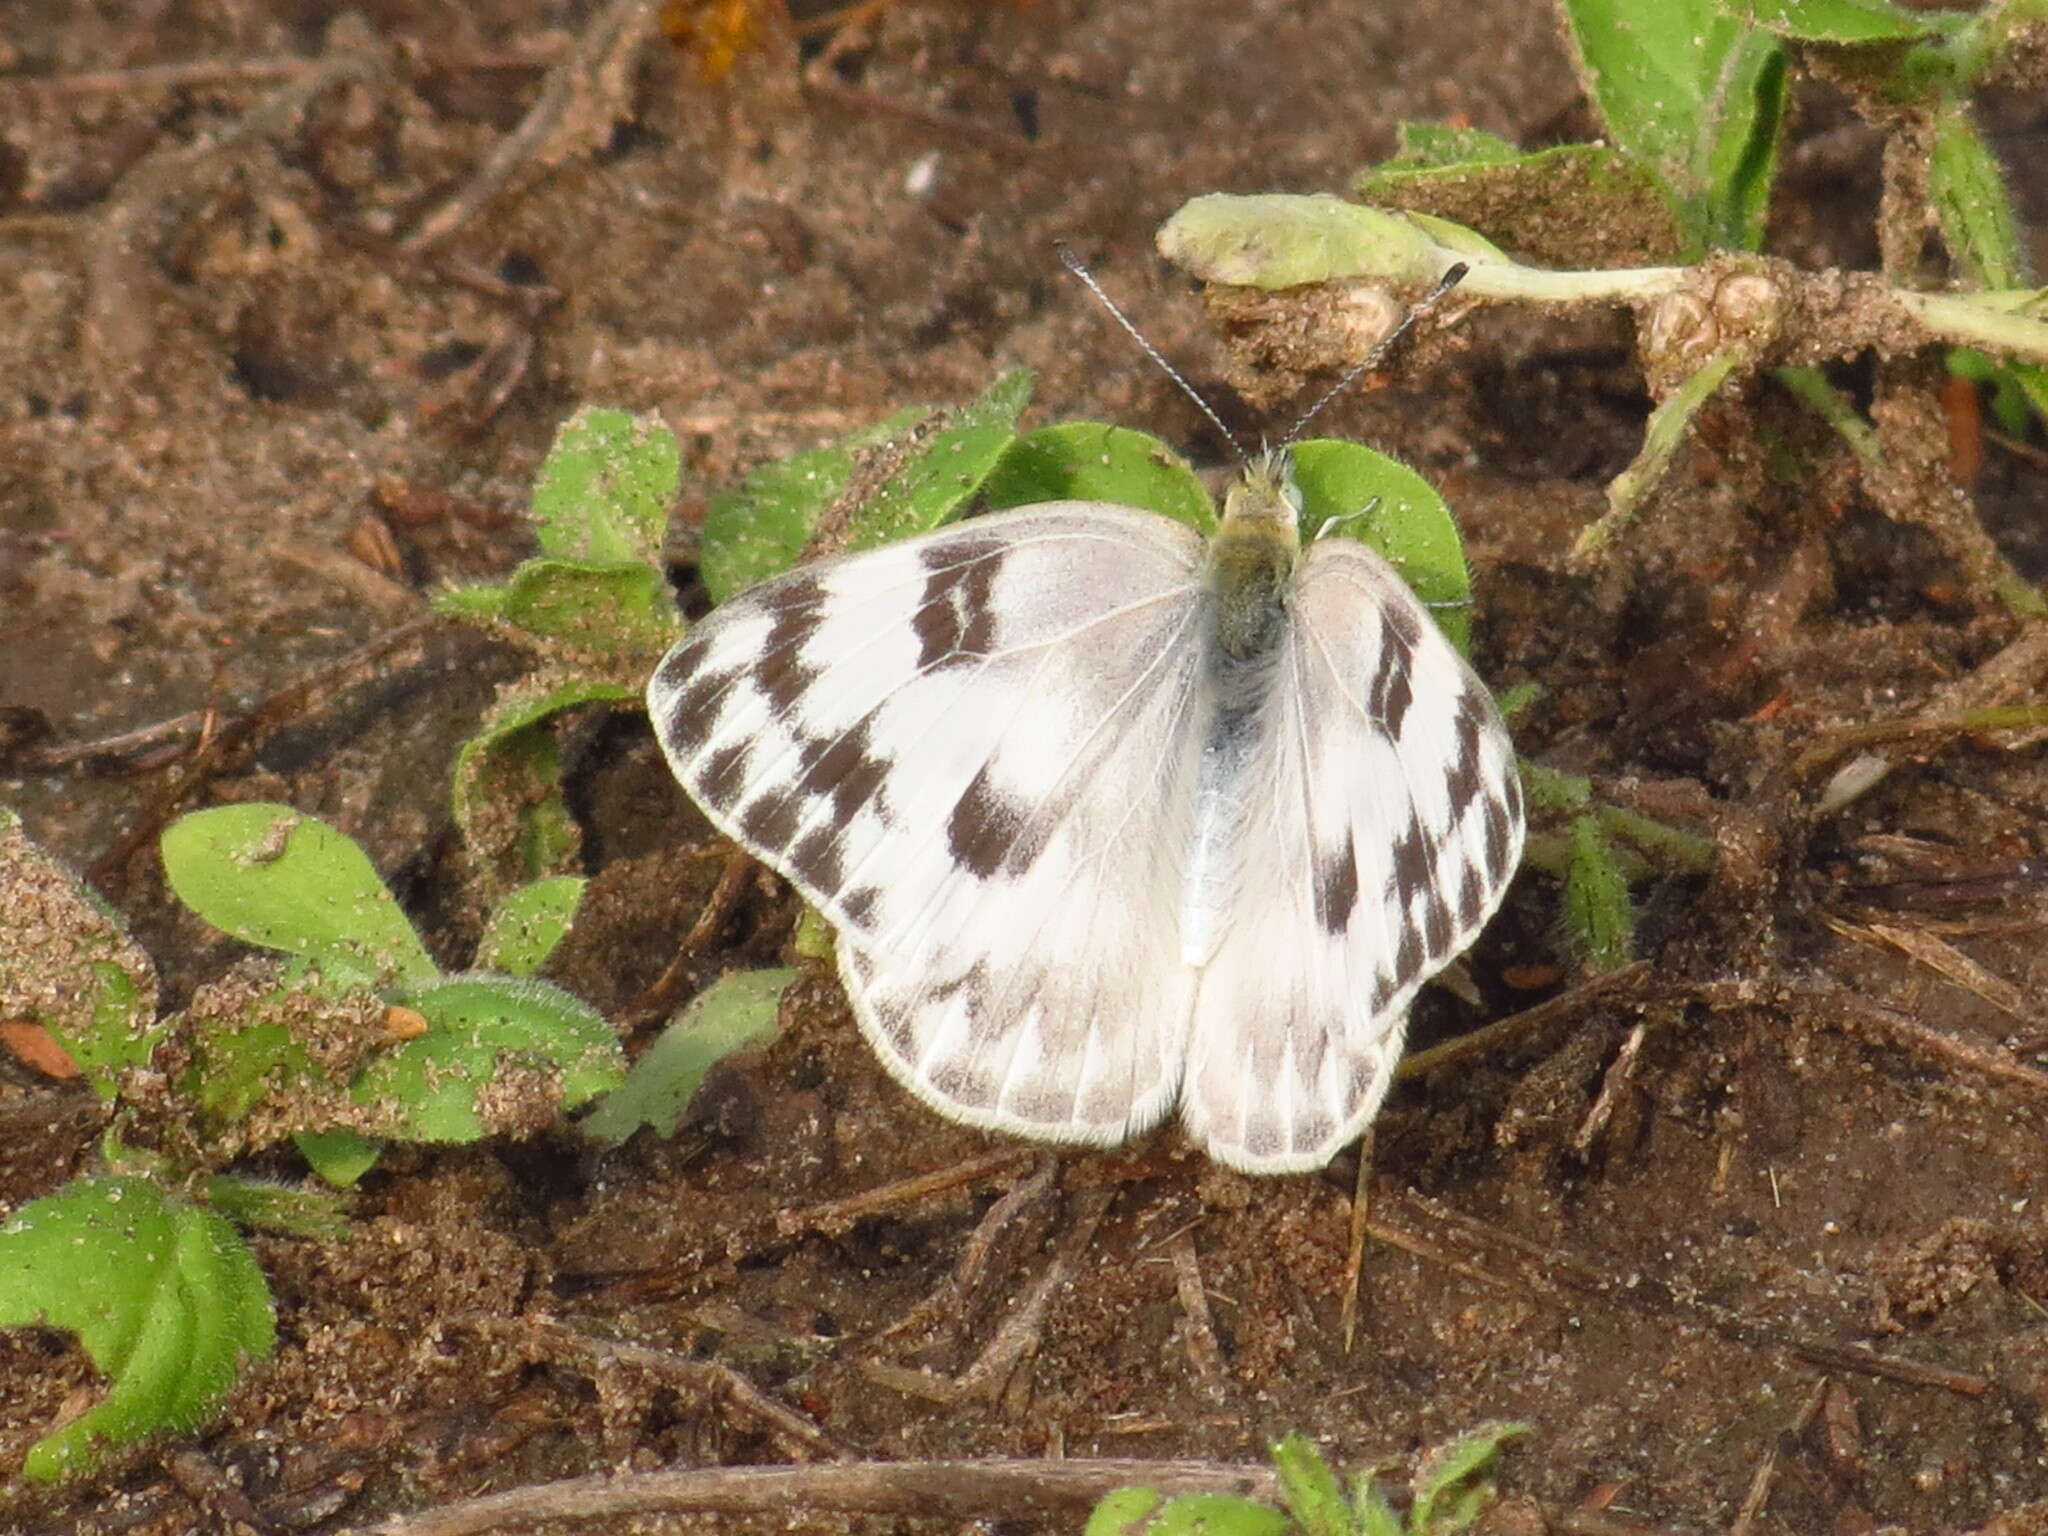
(1451, 1487)
(345, 1035)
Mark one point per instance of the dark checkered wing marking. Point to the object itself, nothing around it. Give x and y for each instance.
(1392, 827)
(970, 751)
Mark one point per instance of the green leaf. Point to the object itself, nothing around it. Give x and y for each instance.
(1376, 1516)
(613, 609)
(760, 528)
(939, 478)
(310, 1213)
(1838, 21)
(905, 476)
(1973, 203)
(1309, 1488)
(1625, 216)
(604, 490)
(813, 939)
(165, 1298)
(270, 876)
(1697, 97)
(1979, 41)
(528, 925)
(449, 1084)
(507, 790)
(1093, 461)
(2011, 404)
(68, 964)
(234, 1070)
(1599, 916)
(1218, 1514)
(1120, 1511)
(733, 1011)
(1280, 240)
(1385, 505)
(2031, 379)
(1450, 1486)
(1421, 144)
(339, 1156)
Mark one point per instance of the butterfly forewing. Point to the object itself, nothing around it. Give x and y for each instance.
(972, 752)
(1386, 835)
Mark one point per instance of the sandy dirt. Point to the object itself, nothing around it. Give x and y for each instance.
(1767, 1208)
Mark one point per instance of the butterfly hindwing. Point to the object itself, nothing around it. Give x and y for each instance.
(1386, 838)
(970, 751)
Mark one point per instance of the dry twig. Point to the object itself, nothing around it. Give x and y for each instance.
(582, 97)
(946, 1490)
(239, 735)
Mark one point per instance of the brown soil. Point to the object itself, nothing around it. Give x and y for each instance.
(1731, 1223)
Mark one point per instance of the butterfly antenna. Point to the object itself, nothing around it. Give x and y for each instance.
(1453, 275)
(1075, 265)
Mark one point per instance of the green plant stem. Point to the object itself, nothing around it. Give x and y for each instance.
(1510, 280)
(1667, 844)
(1668, 425)
(1966, 322)
(1551, 852)
(1812, 389)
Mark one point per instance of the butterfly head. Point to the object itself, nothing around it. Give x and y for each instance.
(1265, 501)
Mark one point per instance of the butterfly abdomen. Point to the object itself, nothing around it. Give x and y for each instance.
(1251, 560)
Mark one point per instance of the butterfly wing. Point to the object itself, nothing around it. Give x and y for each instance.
(971, 752)
(1387, 837)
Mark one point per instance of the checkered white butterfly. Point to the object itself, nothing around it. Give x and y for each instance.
(1112, 820)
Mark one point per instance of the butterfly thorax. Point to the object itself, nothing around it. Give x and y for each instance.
(1251, 556)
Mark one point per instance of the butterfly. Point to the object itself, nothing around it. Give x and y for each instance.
(1111, 820)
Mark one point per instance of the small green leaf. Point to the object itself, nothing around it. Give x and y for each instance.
(604, 490)
(614, 609)
(1093, 461)
(936, 481)
(1309, 1488)
(270, 876)
(68, 964)
(813, 939)
(1627, 217)
(165, 1298)
(310, 1213)
(339, 1156)
(1419, 144)
(1697, 97)
(528, 925)
(507, 790)
(234, 1070)
(2011, 403)
(1973, 203)
(1120, 1512)
(1376, 1516)
(441, 1087)
(1837, 21)
(1385, 505)
(760, 528)
(1280, 240)
(733, 1011)
(1218, 1514)
(1450, 1486)
(1599, 916)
